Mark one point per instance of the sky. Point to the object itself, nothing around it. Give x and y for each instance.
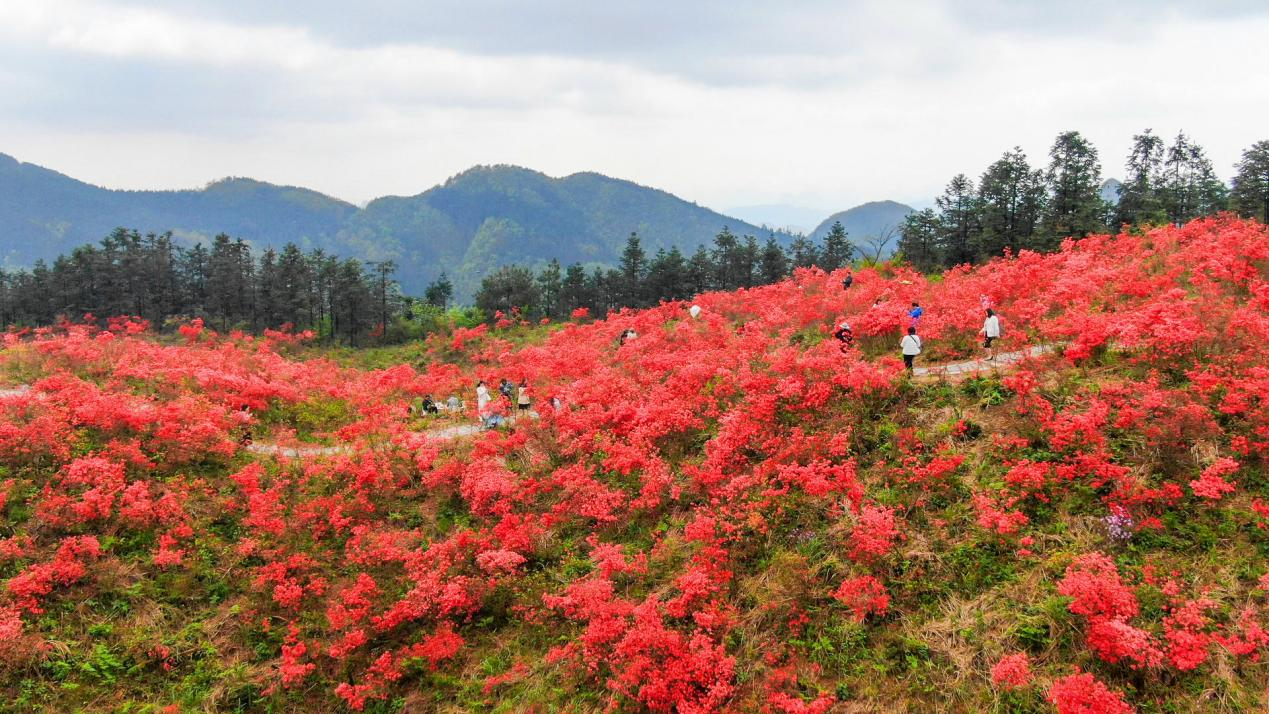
(822, 104)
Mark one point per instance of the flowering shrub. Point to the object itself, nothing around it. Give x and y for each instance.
(1083, 694)
(726, 513)
(1012, 671)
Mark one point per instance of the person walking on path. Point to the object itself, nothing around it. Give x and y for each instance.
(911, 347)
(482, 400)
(844, 335)
(991, 333)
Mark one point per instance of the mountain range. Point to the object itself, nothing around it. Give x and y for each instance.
(476, 221)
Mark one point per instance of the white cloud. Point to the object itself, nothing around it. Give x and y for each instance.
(908, 97)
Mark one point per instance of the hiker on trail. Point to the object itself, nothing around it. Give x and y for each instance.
(246, 425)
(848, 280)
(844, 335)
(524, 401)
(482, 400)
(991, 333)
(915, 313)
(911, 346)
(507, 389)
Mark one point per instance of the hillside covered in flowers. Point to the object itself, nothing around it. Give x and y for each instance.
(726, 513)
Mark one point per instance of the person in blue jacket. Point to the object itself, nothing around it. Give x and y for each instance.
(915, 313)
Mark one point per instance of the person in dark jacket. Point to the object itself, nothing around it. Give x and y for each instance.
(844, 335)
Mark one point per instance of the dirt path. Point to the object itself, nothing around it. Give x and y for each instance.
(447, 433)
(953, 370)
(1003, 361)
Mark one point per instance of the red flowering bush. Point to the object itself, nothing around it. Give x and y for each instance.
(726, 513)
(1083, 694)
(1012, 671)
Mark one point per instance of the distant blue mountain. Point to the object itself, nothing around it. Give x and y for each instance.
(476, 221)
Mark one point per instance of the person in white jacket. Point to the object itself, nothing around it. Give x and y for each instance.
(482, 400)
(991, 332)
(911, 346)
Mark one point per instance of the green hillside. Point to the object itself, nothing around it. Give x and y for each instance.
(476, 221)
(867, 221)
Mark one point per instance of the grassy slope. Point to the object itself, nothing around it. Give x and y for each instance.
(961, 595)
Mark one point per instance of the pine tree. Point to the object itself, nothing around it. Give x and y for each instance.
(634, 268)
(575, 290)
(1250, 194)
(700, 272)
(1188, 186)
(293, 301)
(268, 289)
(667, 275)
(838, 251)
(439, 292)
(958, 220)
(748, 262)
(1075, 206)
(193, 271)
(919, 240)
(803, 253)
(508, 288)
(774, 264)
(1010, 202)
(727, 260)
(1139, 196)
(550, 287)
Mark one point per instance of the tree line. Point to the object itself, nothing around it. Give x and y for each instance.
(1015, 206)
(1011, 206)
(640, 280)
(152, 277)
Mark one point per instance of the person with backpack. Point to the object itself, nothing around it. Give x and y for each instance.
(910, 345)
(991, 333)
(849, 280)
(844, 335)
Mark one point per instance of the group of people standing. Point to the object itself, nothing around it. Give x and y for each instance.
(910, 344)
(491, 411)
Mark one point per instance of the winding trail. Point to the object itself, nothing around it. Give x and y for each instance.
(1003, 361)
(447, 433)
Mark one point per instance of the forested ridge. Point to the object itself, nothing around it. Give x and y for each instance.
(232, 285)
(1018, 207)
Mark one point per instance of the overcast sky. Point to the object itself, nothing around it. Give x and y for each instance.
(729, 103)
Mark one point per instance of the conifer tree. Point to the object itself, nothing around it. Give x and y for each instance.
(838, 250)
(1251, 184)
(1188, 185)
(1075, 206)
(958, 220)
(1010, 201)
(1139, 196)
